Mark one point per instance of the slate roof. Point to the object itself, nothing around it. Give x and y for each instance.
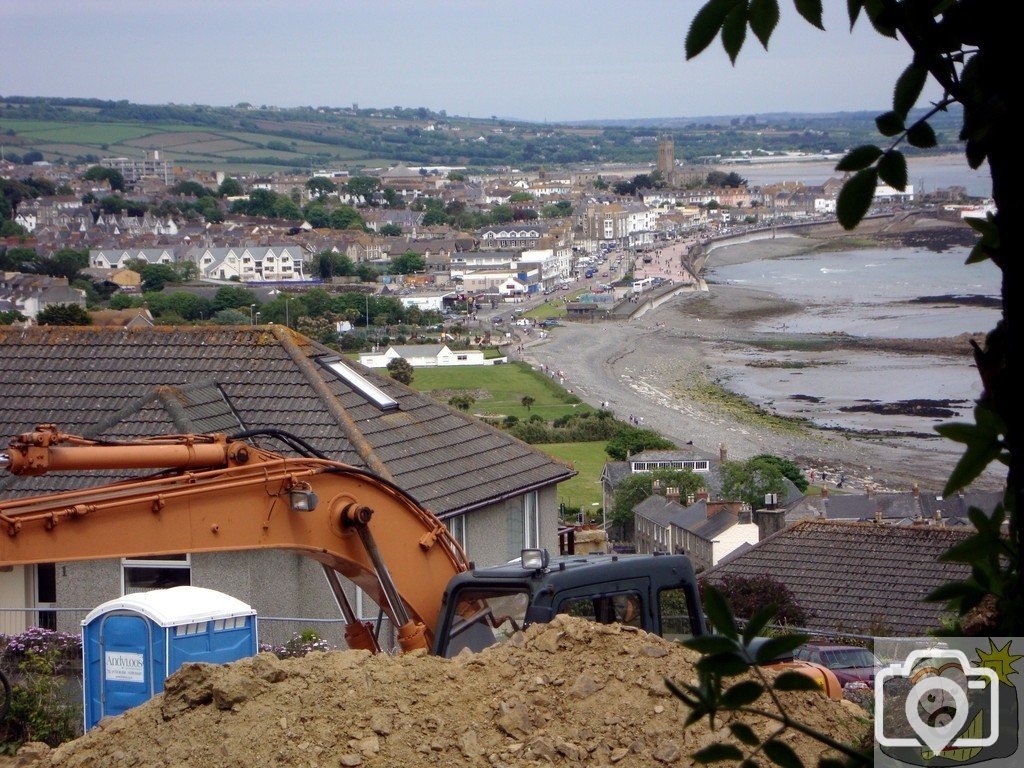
(118, 383)
(857, 577)
(658, 509)
(907, 506)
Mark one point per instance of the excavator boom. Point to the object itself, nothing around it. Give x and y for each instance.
(224, 495)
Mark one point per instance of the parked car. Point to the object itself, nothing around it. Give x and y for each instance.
(850, 663)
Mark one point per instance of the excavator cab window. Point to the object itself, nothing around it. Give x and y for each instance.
(485, 618)
(674, 608)
(606, 609)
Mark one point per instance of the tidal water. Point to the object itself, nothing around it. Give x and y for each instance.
(927, 174)
(872, 293)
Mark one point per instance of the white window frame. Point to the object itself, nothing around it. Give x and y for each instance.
(457, 528)
(531, 520)
(153, 564)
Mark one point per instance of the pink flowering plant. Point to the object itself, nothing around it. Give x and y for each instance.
(301, 644)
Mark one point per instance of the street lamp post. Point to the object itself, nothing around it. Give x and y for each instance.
(287, 301)
(252, 319)
(258, 318)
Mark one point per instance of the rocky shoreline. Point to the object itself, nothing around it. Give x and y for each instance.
(664, 367)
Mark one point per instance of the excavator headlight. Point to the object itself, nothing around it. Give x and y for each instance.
(302, 499)
(535, 559)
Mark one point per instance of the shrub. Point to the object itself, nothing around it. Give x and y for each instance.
(301, 644)
(41, 707)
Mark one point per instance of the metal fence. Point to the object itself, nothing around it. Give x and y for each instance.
(273, 630)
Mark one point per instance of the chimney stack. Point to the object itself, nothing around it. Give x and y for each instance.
(672, 493)
(689, 499)
(723, 452)
(869, 489)
(916, 489)
(878, 513)
(702, 495)
(769, 521)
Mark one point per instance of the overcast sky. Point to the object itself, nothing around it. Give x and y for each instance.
(531, 59)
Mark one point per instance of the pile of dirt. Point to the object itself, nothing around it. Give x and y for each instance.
(567, 692)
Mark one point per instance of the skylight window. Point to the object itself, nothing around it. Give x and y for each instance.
(360, 384)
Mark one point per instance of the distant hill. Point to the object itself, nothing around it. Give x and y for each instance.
(249, 138)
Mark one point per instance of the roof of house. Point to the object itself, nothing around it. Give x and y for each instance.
(857, 577)
(121, 383)
(658, 509)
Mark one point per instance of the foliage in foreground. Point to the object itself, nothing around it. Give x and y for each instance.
(970, 50)
(728, 654)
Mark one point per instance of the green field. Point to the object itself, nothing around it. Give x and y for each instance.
(588, 459)
(502, 389)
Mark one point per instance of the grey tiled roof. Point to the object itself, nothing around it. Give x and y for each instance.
(119, 383)
(658, 509)
(857, 577)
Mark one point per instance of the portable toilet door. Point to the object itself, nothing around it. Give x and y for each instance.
(130, 645)
(122, 662)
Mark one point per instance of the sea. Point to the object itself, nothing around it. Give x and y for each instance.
(926, 174)
(904, 293)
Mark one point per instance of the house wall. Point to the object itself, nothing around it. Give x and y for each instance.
(494, 533)
(14, 593)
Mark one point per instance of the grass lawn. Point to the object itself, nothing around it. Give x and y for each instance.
(588, 459)
(554, 308)
(506, 386)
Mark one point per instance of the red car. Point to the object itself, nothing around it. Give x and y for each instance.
(850, 663)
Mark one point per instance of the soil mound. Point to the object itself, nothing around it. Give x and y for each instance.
(564, 693)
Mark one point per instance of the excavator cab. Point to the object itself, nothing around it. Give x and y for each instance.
(486, 606)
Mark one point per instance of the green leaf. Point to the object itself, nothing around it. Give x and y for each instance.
(676, 691)
(952, 590)
(694, 716)
(889, 124)
(710, 644)
(969, 550)
(781, 754)
(723, 664)
(810, 10)
(705, 25)
(859, 158)
(959, 432)
(855, 197)
(795, 681)
(908, 89)
(778, 646)
(764, 16)
(985, 227)
(718, 752)
(921, 135)
(978, 254)
(892, 169)
(971, 464)
(742, 694)
(853, 8)
(758, 621)
(734, 31)
(878, 15)
(718, 611)
(744, 733)
(976, 152)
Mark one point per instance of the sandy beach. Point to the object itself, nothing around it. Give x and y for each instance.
(664, 369)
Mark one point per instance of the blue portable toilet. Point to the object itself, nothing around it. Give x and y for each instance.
(130, 645)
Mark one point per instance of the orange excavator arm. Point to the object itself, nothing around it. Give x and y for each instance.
(221, 495)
